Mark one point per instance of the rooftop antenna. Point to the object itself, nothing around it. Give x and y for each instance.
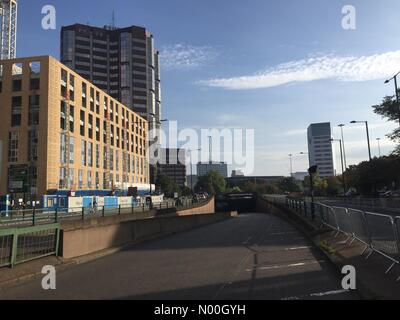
(113, 19)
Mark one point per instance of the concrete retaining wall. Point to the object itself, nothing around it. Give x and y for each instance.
(80, 238)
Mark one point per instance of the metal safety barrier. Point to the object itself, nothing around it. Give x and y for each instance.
(20, 245)
(378, 232)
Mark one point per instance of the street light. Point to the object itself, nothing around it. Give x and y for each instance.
(369, 144)
(291, 165)
(341, 157)
(191, 167)
(344, 148)
(395, 86)
(379, 146)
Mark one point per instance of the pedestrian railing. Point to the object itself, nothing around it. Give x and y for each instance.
(36, 216)
(379, 233)
(20, 245)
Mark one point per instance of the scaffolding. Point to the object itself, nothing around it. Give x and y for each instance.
(8, 29)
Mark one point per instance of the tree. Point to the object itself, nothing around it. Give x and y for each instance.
(390, 110)
(212, 183)
(167, 186)
(289, 184)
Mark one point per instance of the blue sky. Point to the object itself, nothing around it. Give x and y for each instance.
(271, 66)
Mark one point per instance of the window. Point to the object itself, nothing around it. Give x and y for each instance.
(63, 109)
(83, 153)
(97, 102)
(16, 110)
(97, 180)
(84, 95)
(64, 77)
(90, 127)
(97, 156)
(116, 160)
(34, 102)
(71, 87)
(34, 81)
(90, 154)
(17, 77)
(82, 123)
(63, 154)
(71, 118)
(13, 141)
(80, 179)
(89, 179)
(97, 129)
(111, 159)
(105, 158)
(92, 99)
(71, 177)
(71, 150)
(63, 178)
(32, 145)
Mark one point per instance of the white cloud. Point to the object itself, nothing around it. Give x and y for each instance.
(342, 68)
(295, 132)
(186, 57)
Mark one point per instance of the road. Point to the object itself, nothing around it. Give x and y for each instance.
(253, 256)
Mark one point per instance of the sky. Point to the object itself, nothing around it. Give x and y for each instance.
(271, 66)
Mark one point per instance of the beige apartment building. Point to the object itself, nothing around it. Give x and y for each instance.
(60, 132)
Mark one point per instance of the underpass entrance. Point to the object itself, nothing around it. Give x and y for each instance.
(240, 202)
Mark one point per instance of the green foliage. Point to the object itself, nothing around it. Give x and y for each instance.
(389, 109)
(289, 184)
(371, 176)
(166, 185)
(212, 183)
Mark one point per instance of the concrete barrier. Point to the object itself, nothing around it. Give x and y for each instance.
(79, 238)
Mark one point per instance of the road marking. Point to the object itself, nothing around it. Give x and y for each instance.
(282, 233)
(292, 265)
(247, 241)
(319, 294)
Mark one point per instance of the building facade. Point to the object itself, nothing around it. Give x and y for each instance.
(320, 148)
(8, 29)
(60, 132)
(123, 62)
(173, 165)
(204, 168)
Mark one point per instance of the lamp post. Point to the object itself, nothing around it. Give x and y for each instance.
(159, 122)
(191, 167)
(344, 148)
(312, 171)
(341, 157)
(379, 146)
(291, 165)
(369, 143)
(396, 88)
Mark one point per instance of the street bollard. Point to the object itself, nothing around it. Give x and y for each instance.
(103, 212)
(34, 217)
(119, 210)
(56, 216)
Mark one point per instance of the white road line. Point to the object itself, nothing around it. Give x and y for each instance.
(319, 294)
(282, 233)
(292, 265)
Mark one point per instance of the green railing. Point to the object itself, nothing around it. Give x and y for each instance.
(20, 245)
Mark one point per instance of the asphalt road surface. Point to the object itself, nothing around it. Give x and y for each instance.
(253, 256)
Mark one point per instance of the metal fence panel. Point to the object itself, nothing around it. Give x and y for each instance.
(25, 244)
(359, 225)
(382, 231)
(343, 220)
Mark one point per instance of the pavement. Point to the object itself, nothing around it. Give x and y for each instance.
(252, 256)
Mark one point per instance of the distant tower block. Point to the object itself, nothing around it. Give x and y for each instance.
(8, 29)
